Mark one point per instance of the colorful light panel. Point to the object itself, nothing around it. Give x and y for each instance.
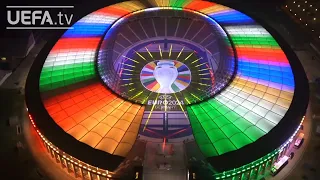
(92, 114)
(95, 116)
(257, 99)
(149, 81)
(249, 108)
(72, 58)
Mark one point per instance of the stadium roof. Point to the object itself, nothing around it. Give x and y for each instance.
(250, 118)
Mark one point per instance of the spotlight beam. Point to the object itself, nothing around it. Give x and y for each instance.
(196, 60)
(129, 84)
(200, 90)
(203, 69)
(145, 125)
(131, 89)
(204, 74)
(188, 56)
(201, 64)
(141, 56)
(184, 112)
(160, 51)
(201, 84)
(180, 52)
(187, 100)
(128, 65)
(138, 94)
(130, 59)
(149, 52)
(126, 74)
(126, 69)
(196, 96)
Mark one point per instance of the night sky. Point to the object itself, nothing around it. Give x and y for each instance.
(83, 7)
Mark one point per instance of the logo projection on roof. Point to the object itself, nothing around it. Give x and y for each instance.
(165, 76)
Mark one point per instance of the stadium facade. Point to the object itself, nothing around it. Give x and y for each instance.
(190, 74)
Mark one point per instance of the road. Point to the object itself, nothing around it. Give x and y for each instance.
(31, 161)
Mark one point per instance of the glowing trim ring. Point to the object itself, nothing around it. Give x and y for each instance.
(174, 8)
(66, 156)
(149, 9)
(261, 160)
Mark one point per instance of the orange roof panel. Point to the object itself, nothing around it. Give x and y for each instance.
(95, 116)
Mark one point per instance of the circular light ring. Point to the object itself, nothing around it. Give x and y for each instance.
(249, 108)
(215, 47)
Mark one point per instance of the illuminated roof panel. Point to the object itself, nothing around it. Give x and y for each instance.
(249, 108)
(252, 105)
(72, 58)
(96, 117)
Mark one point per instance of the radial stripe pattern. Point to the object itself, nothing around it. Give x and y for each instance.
(91, 113)
(148, 80)
(249, 108)
(95, 116)
(72, 58)
(258, 97)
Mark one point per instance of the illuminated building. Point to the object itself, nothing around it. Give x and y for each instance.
(240, 95)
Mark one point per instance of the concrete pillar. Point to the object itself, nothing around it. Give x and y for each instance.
(57, 157)
(52, 153)
(65, 163)
(261, 169)
(73, 169)
(252, 174)
(245, 175)
(274, 159)
(242, 176)
(81, 172)
(61, 162)
(69, 168)
(89, 174)
(47, 147)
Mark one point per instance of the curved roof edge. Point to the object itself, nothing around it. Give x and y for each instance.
(263, 146)
(52, 131)
(285, 128)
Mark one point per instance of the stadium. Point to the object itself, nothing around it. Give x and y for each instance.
(189, 89)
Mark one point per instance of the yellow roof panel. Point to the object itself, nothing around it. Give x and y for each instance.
(122, 149)
(91, 138)
(78, 131)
